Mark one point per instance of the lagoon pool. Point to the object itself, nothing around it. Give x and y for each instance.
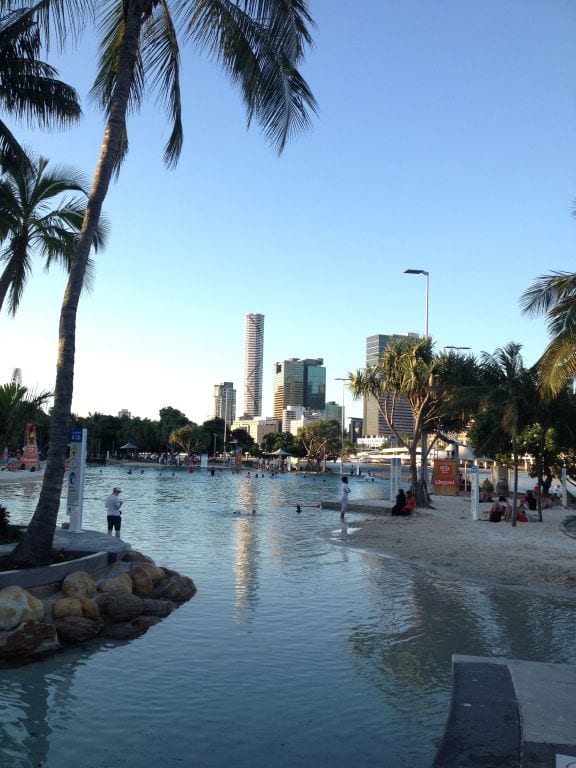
(296, 651)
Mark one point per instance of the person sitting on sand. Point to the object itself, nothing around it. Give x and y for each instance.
(410, 505)
(500, 509)
(400, 503)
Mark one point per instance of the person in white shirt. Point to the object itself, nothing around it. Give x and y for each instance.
(113, 511)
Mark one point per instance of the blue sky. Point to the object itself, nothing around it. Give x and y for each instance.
(445, 141)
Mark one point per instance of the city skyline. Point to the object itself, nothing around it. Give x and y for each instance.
(444, 144)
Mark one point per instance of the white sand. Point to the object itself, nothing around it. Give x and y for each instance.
(534, 555)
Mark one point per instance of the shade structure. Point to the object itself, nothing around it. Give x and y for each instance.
(280, 452)
(128, 447)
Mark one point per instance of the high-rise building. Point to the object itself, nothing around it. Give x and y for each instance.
(225, 401)
(253, 364)
(299, 382)
(124, 414)
(17, 377)
(374, 422)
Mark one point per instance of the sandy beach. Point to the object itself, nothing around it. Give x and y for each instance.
(534, 555)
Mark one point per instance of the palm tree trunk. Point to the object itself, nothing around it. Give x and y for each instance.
(36, 547)
(6, 280)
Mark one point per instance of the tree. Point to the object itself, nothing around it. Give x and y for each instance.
(18, 406)
(409, 369)
(259, 45)
(321, 439)
(508, 388)
(29, 89)
(191, 438)
(555, 296)
(38, 215)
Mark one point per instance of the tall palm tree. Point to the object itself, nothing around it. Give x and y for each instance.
(29, 89)
(39, 215)
(555, 296)
(259, 44)
(508, 387)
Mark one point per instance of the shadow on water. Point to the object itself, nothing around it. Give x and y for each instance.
(294, 651)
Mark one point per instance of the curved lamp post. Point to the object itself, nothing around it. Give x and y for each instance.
(427, 276)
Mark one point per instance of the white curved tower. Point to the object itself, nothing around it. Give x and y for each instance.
(253, 364)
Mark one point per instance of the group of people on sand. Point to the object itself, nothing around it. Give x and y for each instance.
(501, 509)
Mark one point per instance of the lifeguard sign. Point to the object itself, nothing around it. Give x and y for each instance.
(446, 477)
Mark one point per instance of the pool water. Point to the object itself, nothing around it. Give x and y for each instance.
(296, 651)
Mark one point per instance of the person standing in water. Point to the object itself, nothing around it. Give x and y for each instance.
(345, 493)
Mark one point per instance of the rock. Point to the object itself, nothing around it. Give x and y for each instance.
(30, 639)
(142, 584)
(155, 573)
(89, 609)
(78, 584)
(11, 612)
(176, 587)
(32, 608)
(67, 606)
(76, 629)
(133, 556)
(160, 608)
(122, 583)
(130, 629)
(119, 606)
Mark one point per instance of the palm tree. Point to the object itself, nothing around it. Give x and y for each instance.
(555, 296)
(508, 387)
(29, 89)
(18, 406)
(259, 44)
(38, 215)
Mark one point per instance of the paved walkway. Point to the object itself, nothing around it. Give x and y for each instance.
(504, 712)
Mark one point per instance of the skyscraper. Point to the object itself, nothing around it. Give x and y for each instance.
(374, 422)
(225, 401)
(253, 357)
(17, 377)
(299, 382)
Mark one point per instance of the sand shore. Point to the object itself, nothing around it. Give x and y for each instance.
(534, 555)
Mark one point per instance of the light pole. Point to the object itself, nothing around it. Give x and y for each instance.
(339, 378)
(427, 276)
(455, 349)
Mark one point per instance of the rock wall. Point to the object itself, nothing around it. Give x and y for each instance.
(122, 606)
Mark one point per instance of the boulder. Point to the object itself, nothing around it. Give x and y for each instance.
(76, 629)
(11, 612)
(176, 587)
(130, 629)
(78, 584)
(30, 639)
(67, 606)
(119, 606)
(142, 584)
(18, 605)
(155, 573)
(133, 556)
(160, 608)
(89, 609)
(120, 583)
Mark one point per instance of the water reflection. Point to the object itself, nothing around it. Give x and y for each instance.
(247, 553)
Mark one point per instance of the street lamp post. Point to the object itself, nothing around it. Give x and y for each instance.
(339, 378)
(427, 276)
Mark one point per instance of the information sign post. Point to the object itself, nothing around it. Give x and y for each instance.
(474, 492)
(77, 461)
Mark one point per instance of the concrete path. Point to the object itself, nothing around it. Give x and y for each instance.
(504, 712)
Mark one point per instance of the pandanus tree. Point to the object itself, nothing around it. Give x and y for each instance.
(29, 88)
(258, 43)
(18, 406)
(409, 372)
(41, 213)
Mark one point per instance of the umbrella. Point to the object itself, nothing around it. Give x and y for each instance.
(128, 447)
(280, 452)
